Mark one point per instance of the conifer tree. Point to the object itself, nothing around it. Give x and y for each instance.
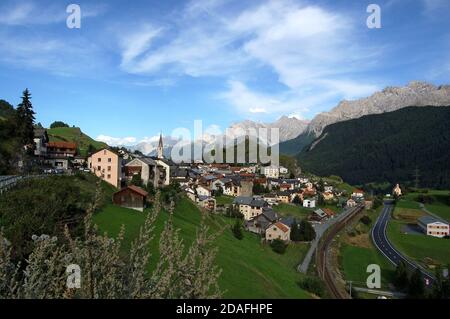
(25, 119)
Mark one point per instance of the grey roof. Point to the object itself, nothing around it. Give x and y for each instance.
(148, 161)
(320, 213)
(289, 221)
(245, 200)
(270, 214)
(203, 197)
(429, 220)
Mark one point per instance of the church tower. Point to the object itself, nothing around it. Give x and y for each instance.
(160, 147)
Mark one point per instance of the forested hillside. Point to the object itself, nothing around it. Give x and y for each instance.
(392, 147)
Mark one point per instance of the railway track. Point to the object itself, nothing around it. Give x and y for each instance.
(322, 255)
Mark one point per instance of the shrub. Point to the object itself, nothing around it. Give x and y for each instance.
(366, 220)
(313, 285)
(237, 230)
(278, 246)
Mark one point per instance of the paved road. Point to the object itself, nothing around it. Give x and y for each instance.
(383, 244)
(320, 230)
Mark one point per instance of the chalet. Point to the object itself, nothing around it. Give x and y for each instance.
(232, 187)
(145, 167)
(278, 230)
(328, 188)
(309, 203)
(433, 227)
(358, 194)
(319, 215)
(132, 197)
(283, 170)
(107, 165)
(260, 223)
(271, 171)
(60, 154)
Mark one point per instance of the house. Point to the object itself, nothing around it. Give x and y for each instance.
(107, 165)
(190, 193)
(368, 204)
(271, 171)
(351, 203)
(284, 197)
(283, 170)
(271, 199)
(207, 202)
(328, 195)
(286, 187)
(132, 197)
(165, 168)
(60, 154)
(40, 140)
(328, 188)
(260, 223)
(309, 203)
(319, 215)
(249, 207)
(145, 167)
(397, 191)
(358, 194)
(278, 230)
(233, 187)
(203, 191)
(329, 212)
(433, 227)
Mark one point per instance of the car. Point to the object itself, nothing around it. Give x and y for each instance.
(48, 171)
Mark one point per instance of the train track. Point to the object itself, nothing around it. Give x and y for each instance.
(322, 255)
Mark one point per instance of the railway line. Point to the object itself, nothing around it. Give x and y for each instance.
(322, 254)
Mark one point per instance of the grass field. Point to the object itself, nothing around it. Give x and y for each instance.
(295, 211)
(250, 268)
(224, 200)
(74, 134)
(439, 207)
(424, 249)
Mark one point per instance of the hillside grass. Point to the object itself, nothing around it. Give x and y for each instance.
(224, 200)
(439, 207)
(74, 134)
(295, 211)
(250, 269)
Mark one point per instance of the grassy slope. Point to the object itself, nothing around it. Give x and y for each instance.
(438, 207)
(357, 254)
(250, 269)
(224, 200)
(74, 134)
(292, 210)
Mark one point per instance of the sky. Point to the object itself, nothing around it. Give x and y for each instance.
(138, 68)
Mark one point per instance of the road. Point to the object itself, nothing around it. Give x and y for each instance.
(381, 241)
(320, 230)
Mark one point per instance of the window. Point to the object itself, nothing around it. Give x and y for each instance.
(109, 168)
(99, 159)
(109, 176)
(99, 168)
(109, 160)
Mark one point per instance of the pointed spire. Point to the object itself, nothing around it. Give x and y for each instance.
(160, 147)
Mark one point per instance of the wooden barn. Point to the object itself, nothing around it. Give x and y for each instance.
(132, 197)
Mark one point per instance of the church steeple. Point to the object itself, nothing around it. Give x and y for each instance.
(160, 147)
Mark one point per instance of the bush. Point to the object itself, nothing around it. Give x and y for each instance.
(58, 124)
(313, 285)
(366, 220)
(278, 246)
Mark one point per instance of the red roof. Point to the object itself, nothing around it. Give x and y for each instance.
(358, 191)
(69, 145)
(135, 189)
(328, 211)
(282, 226)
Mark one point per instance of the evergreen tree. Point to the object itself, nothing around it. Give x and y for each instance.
(25, 119)
(295, 232)
(278, 246)
(136, 180)
(401, 280)
(237, 231)
(307, 232)
(416, 288)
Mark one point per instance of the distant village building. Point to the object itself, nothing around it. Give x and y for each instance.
(397, 191)
(60, 154)
(107, 165)
(351, 203)
(271, 171)
(309, 203)
(433, 227)
(249, 207)
(131, 197)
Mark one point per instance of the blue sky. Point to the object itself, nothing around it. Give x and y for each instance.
(132, 71)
